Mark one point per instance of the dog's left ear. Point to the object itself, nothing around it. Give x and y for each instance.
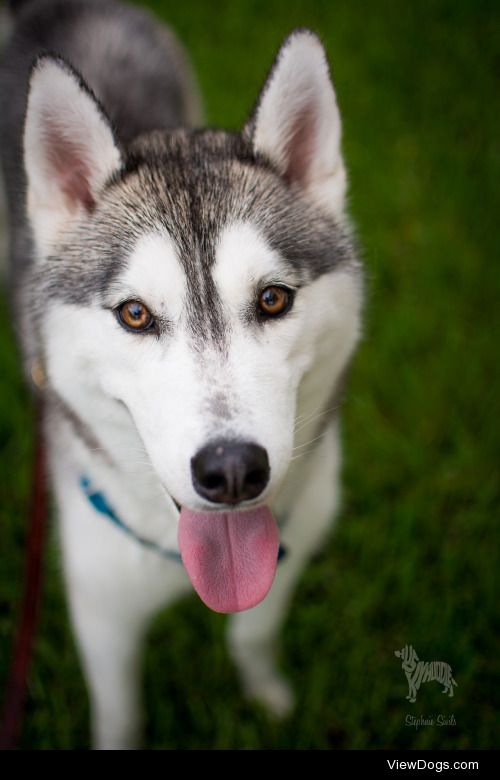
(296, 124)
(69, 149)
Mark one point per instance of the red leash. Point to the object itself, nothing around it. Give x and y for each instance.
(23, 648)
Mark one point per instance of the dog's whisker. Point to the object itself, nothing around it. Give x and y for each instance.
(301, 454)
(302, 419)
(314, 417)
(307, 443)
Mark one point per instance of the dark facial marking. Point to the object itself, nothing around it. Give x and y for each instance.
(193, 184)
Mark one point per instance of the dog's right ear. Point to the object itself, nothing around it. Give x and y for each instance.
(69, 149)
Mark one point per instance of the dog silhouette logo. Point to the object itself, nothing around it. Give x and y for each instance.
(418, 672)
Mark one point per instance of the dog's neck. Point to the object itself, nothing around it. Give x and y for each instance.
(111, 453)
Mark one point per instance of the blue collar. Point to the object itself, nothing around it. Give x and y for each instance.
(101, 505)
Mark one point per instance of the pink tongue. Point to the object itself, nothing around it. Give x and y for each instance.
(230, 557)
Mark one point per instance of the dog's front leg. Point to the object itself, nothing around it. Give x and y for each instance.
(111, 598)
(110, 642)
(253, 634)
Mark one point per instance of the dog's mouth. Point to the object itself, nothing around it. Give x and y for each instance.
(230, 557)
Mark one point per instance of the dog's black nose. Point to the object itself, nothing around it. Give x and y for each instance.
(227, 472)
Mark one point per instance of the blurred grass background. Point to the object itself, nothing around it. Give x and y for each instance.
(415, 558)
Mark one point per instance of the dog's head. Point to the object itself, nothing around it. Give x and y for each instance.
(192, 280)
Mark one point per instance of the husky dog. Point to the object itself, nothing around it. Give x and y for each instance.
(187, 302)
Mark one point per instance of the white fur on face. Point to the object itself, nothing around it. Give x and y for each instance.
(154, 276)
(180, 398)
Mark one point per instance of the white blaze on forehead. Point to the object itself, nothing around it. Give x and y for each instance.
(243, 258)
(155, 276)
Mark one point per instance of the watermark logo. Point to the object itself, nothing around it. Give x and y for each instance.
(418, 672)
(417, 722)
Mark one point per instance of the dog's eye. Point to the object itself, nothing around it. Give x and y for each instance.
(274, 301)
(133, 315)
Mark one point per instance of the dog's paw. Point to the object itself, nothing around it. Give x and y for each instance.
(275, 695)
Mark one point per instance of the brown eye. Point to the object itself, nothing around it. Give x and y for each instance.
(133, 315)
(274, 301)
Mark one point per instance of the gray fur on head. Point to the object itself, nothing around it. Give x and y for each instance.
(190, 183)
(136, 68)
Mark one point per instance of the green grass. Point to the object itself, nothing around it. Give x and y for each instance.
(415, 557)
